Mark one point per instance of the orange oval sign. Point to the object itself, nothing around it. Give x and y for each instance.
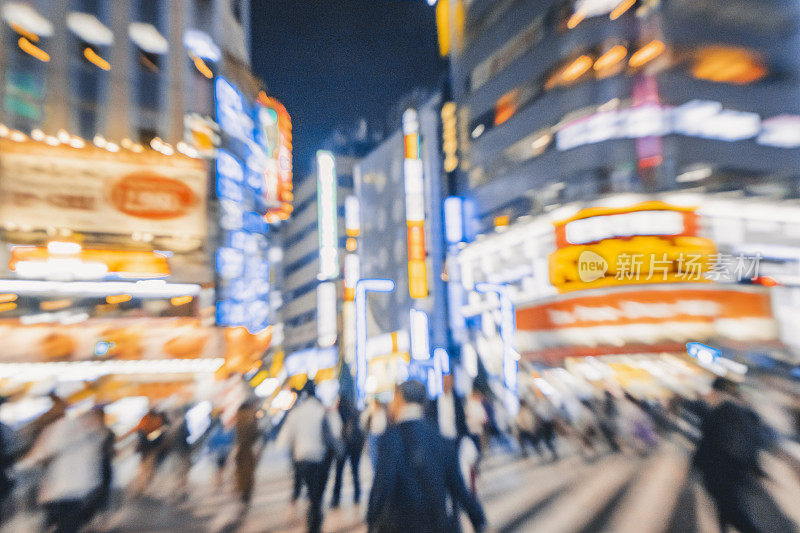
(152, 196)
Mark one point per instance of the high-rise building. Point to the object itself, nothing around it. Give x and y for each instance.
(593, 131)
(141, 163)
(557, 100)
(399, 189)
(314, 240)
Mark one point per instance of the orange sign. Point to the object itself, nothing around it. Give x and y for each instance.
(620, 321)
(244, 350)
(90, 190)
(621, 308)
(597, 224)
(149, 195)
(123, 262)
(416, 241)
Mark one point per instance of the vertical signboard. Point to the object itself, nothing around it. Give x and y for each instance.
(326, 314)
(242, 264)
(275, 130)
(415, 207)
(326, 216)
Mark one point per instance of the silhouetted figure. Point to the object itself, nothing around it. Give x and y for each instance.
(150, 432)
(727, 458)
(417, 486)
(6, 466)
(247, 434)
(220, 442)
(101, 498)
(71, 451)
(307, 436)
(353, 440)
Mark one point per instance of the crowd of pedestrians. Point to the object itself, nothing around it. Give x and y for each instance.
(425, 453)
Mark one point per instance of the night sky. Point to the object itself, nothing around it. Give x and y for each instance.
(333, 61)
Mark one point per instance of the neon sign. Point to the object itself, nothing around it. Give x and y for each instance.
(327, 223)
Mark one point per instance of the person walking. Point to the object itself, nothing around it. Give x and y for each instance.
(6, 466)
(178, 444)
(545, 414)
(475, 417)
(71, 451)
(732, 435)
(527, 431)
(375, 422)
(307, 436)
(246, 429)
(150, 434)
(447, 412)
(219, 444)
(101, 498)
(353, 440)
(417, 485)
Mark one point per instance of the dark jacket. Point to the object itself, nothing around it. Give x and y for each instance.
(352, 435)
(727, 458)
(432, 413)
(414, 476)
(732, 436)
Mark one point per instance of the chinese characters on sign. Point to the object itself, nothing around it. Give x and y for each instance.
(652, 242)
(692, 267)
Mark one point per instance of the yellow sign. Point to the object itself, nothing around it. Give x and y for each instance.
(631, 261)
(449, 137)
(652, 242)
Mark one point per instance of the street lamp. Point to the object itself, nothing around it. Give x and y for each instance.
(507, 333)
(364, 286)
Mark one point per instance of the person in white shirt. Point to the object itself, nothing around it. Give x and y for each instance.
(375, 420)
(447, 412)
(71, 449)
(307, 434)
(476, 416)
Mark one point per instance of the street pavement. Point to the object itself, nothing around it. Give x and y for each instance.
(613, 492)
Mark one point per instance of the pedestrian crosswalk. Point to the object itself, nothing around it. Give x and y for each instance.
(614, 492)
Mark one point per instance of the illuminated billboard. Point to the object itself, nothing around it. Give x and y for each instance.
(259, 133)
(637, 320)
(274, 129)
(90, 190)
(652, 242)
(327, 219)
(242, 264)
(415, 207)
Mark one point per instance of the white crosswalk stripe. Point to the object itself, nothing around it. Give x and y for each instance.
(650, 501)
(617, 492)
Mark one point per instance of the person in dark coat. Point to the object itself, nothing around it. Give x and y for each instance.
(417, 481)
(353, 439)
(102, 496)
(6, 466)
(246, 429)
(727, 458)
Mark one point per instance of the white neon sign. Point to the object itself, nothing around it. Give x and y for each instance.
(598, 228)
(352, 215)
(326, 206)
(232, 112)
(326, 314)
(420, 335)
(362, 288)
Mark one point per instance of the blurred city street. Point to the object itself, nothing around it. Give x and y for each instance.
(396, 266)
